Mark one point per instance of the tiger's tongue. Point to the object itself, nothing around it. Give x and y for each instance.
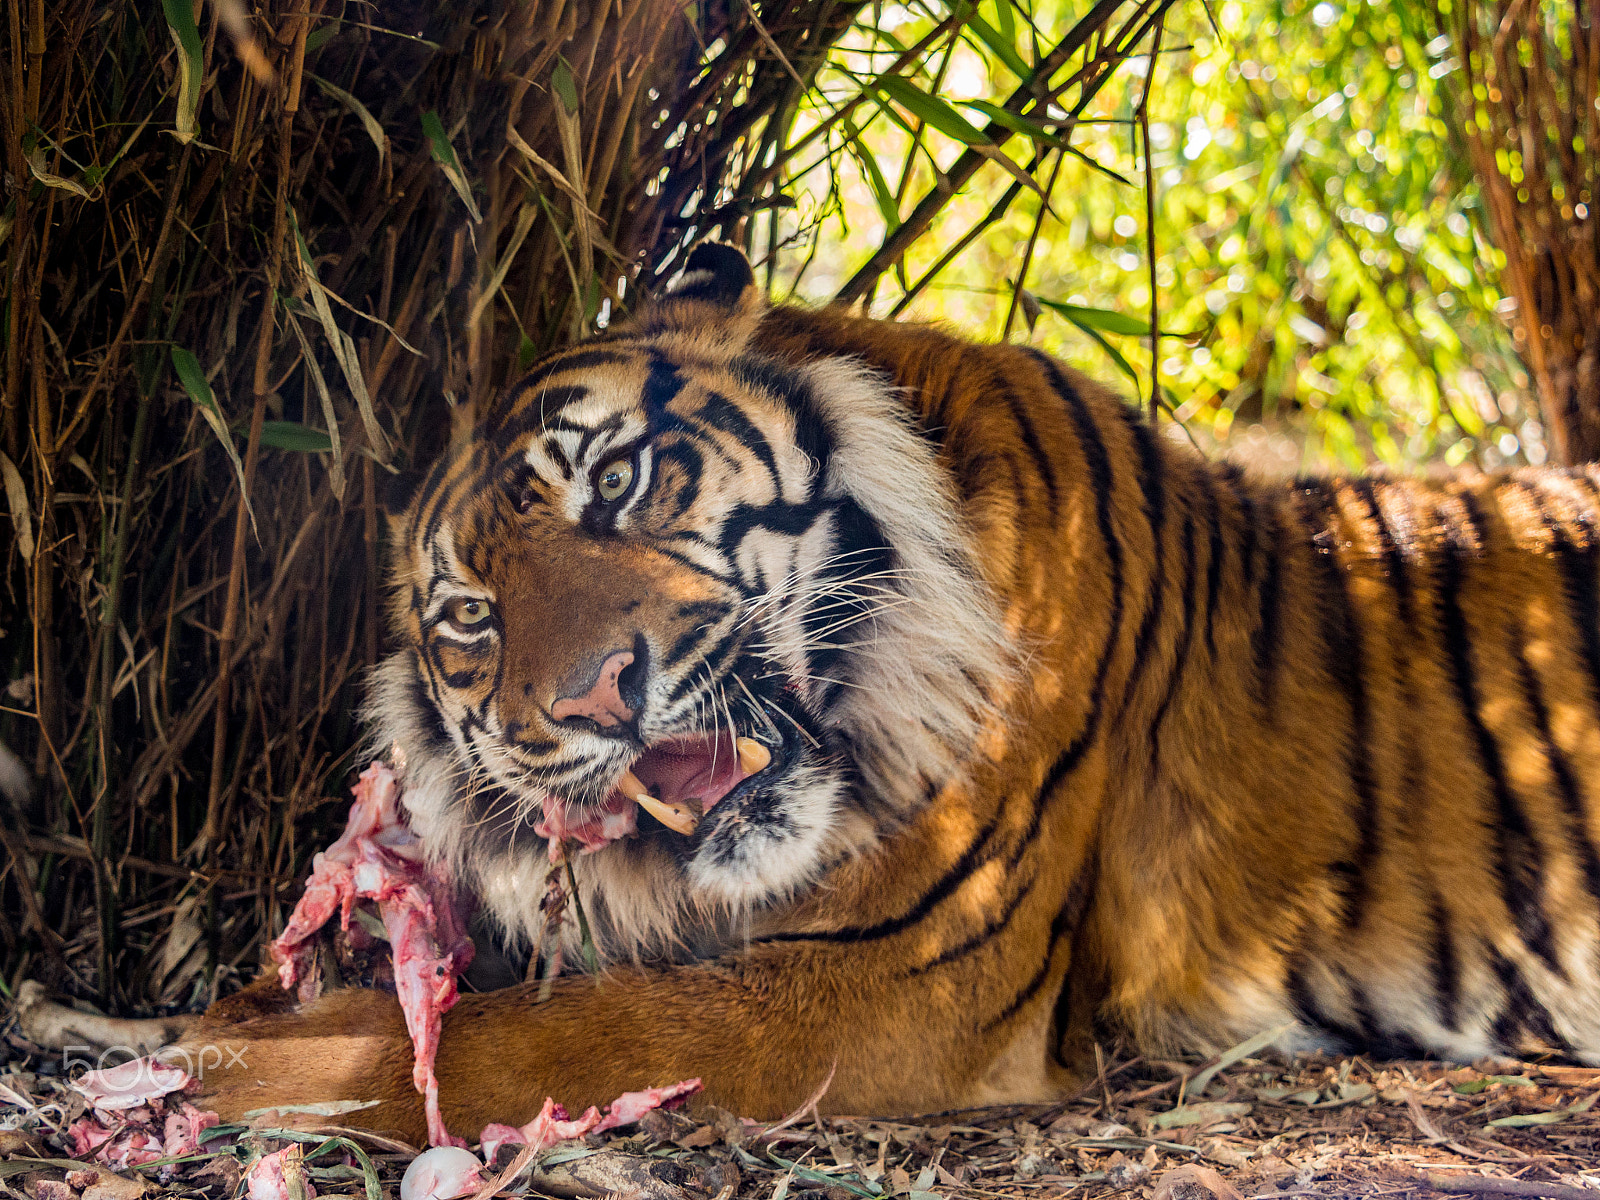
(693, 774)
(698, 772)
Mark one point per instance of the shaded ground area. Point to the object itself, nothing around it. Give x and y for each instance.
(1257, 1128)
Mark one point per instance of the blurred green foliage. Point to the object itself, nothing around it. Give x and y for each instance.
(1321, 265)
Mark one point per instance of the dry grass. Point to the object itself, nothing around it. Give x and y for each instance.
(1268, 1128)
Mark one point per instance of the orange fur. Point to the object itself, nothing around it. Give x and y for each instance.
(1325, 750)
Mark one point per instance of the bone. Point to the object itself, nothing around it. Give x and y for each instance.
(753, 756)
(56, 1026)
(675, 817)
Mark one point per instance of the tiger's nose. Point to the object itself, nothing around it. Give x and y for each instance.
(600, 702)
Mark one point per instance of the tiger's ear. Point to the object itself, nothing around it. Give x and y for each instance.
(396, 494)
(720, 275)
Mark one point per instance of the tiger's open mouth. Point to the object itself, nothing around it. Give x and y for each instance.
(677, 782)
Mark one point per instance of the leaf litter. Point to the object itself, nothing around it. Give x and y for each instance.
(1264, 1126)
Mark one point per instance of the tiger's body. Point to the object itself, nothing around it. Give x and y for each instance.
(1103, 734)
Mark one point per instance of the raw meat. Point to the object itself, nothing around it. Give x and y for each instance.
(137, 1115)
(552, 1125)
(265, 1180)
(379, 859)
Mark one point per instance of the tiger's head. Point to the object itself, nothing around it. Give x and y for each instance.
(666, 559)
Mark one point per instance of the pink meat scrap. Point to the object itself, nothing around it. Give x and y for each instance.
(379, 859)
(265, 1180)
(592, 828)
(138, 1114)
(553, 1125)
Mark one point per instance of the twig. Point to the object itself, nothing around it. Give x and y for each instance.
(1150, 222)
(809, 1106)
(1499, 1185)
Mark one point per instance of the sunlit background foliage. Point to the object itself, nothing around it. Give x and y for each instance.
(1325, 290)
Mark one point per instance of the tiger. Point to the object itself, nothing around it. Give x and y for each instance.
(1004, 723)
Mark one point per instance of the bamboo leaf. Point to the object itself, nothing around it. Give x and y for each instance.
(369, 1173)
(1099, 318)
(525, 218)
(344, 347)
(1244, 1049)
(566, 88)
(191, 64)
(1010, 120)
(1001, 43)
(368, 121)
(194, 382)
(40, 172)
(445, 155)
(17, 499)
(1001, 159)
(1007, 18)
(1112, 352)
(931, 110)
(291, 435)
(881, 191)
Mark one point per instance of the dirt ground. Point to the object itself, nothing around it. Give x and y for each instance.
(1257, 1128)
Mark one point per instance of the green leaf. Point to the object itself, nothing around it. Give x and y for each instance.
(930, 109)
(368, 121)
(881, 192)
(186, 37)
(566, 87)
(1112, 352)
(1001, 43)
(321, 36)
(194, 382)
(291, 435)
(564, 1154)
(445, 155)
(1008, 22)
(1098, 318)
(369, 1173)
(1010, 120)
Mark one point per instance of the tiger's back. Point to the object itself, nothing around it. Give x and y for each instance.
(1321, 752)
(1352, 726)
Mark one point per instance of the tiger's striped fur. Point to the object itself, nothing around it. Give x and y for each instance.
(1213, 754)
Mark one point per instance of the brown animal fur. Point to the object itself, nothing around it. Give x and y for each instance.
(1326, 750)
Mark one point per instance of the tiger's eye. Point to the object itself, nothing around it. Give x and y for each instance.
(470, 612)
(614, 479)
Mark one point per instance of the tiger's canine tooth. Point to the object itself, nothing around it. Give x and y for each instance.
(753, 756)
(630, 785)
(675, 817)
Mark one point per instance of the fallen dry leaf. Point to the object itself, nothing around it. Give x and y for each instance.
(1193, 1181)
(20, 1141)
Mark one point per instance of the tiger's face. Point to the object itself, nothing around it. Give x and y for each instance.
(668, 565)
